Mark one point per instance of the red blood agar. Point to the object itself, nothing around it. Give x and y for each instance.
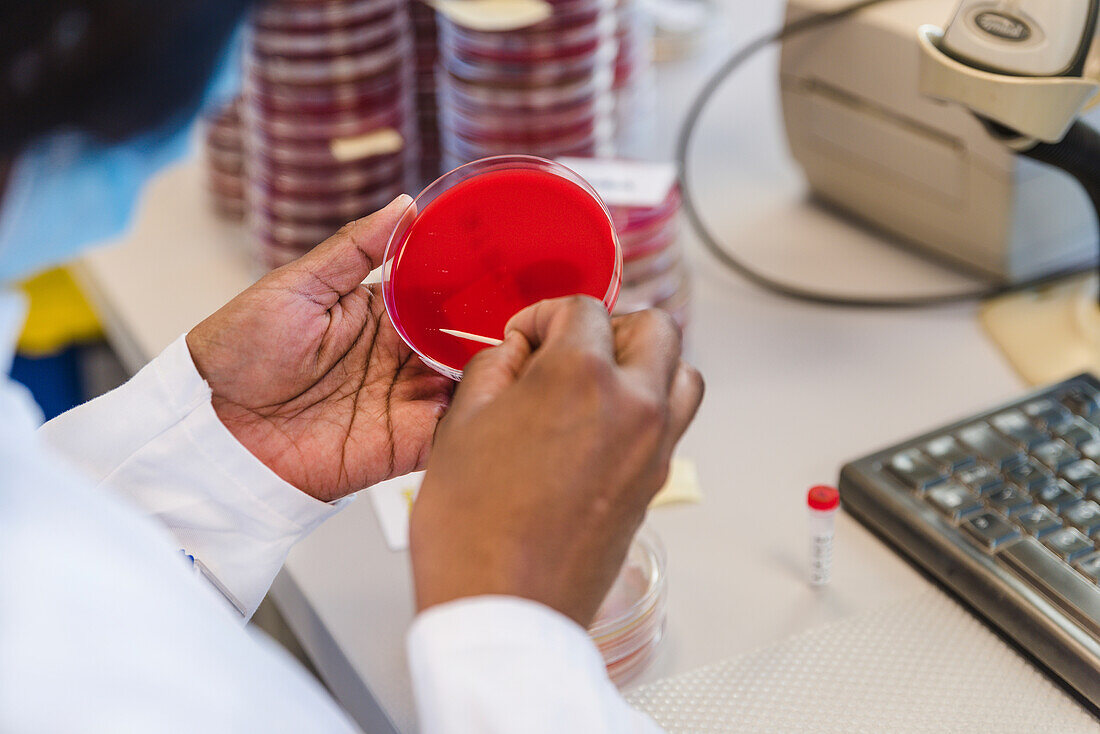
(490, 245)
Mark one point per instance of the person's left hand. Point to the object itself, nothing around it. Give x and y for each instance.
(309, 374)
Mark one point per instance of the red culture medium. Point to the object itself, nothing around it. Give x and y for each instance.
(490, 245)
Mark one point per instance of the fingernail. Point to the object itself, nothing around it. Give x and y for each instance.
(402, 200)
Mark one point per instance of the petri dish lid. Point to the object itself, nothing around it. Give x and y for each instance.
(488, 239)
(637, 589)
(474, 95)
(645, 294)
(529, 73)
(320, 16)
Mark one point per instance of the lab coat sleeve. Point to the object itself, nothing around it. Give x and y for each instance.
(157, 442)
(502, 664)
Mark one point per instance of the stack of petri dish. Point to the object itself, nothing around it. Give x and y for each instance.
(542, 90)
(654, 272)
(426, 54)
(225, 160)
(633, 88)
(630, 624)
(329, 125)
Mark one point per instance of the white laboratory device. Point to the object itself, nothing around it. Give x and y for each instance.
(884, 114)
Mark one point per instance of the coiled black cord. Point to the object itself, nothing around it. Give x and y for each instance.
(787, 290)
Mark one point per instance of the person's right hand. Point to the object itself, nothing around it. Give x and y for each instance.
(545, 463)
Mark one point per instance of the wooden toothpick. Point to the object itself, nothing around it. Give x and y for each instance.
(473, 337)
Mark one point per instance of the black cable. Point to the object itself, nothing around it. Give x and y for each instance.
(683, 143)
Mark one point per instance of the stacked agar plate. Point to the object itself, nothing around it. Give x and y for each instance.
(633, 88)
(544, 89)
(631, 621)
(654, 272)
(329, 121)
(425, 55)
(225, 160)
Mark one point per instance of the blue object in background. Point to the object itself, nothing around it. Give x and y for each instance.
(55, 381)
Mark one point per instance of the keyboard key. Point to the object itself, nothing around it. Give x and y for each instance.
(1085, 516)
(990, 529)
(980, 478)
(1090, 566)
(1029, 474)
(1055, 454)
(948, 452)
(1038, 520)
(1016, 426)
(915, 469)
(1048, 412)
(990, 445)
(1084, 474)
(1082, 401)
(1009, 499)
(954, 500)
(1057, 495)
(1077, 432)
(1091, 449)
(1073, 593)
(1068, 543)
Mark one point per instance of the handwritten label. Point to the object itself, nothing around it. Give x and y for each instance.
(625, 183)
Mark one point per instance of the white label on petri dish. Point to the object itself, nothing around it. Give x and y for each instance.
(377, 142)
(493, 15)
(625, 183)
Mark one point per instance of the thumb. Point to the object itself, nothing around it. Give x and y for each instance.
(339, 264)
(489, 373)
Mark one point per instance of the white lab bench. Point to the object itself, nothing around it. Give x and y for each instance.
(793, 391)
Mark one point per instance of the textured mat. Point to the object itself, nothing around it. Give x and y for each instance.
(924, 665)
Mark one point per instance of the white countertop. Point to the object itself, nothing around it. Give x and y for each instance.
(793, 391)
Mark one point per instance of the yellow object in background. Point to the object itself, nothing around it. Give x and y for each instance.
(1050, 333)
(682, 485)
(59, 315)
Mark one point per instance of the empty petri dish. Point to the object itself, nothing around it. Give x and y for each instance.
(488, 239)
(631, 621)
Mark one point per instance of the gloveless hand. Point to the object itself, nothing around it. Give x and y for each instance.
(544, 465)
(309, 374)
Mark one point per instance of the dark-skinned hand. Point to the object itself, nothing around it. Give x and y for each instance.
(545, 464)
(308, 373)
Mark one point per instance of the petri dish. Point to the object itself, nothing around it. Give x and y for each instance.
(487, 240)
(630, 623)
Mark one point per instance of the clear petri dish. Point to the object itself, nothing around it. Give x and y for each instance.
(488, 239)
(341, 207)
(330, 70)
(475, 96)
(320, 16)
(656, 263)
(630, 623)
(648, 293)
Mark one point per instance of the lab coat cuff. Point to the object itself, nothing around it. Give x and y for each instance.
(256, 480)
(157, 442)
(267, 513)
(498, 663)
(511, 622)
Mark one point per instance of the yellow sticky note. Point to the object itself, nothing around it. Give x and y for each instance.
(682, 485)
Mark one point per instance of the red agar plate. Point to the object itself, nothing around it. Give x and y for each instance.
(487, 240)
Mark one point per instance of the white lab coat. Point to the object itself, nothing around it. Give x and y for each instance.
(105, 626)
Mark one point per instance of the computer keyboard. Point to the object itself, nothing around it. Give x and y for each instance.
(1004, 509)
